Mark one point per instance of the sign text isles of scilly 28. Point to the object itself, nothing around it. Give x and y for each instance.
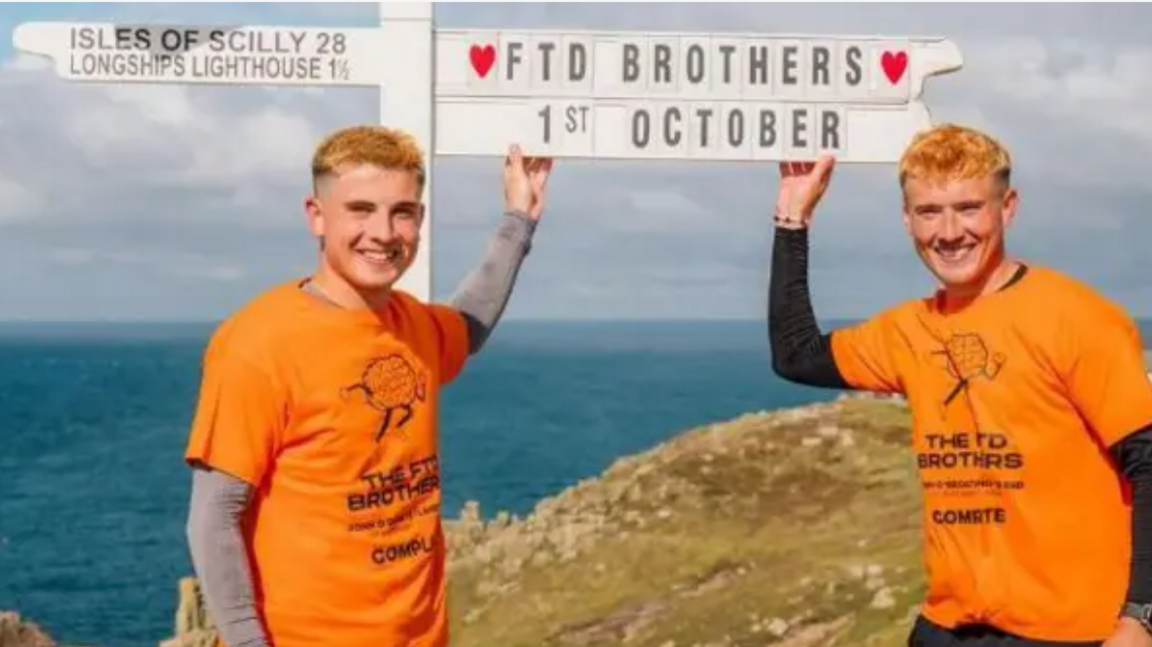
(209, 54)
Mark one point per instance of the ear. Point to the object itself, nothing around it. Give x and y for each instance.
(1011, 203)
(315, 214)
(906, 216)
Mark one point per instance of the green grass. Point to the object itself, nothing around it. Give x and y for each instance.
(764, 519)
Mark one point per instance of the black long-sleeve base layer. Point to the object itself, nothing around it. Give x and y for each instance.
(801, 353)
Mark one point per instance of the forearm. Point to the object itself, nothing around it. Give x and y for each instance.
(800, 352)
(1134, 456)
(220, 558)
(483, 295)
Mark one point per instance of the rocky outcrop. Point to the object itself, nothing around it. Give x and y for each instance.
(194, 627)
(17, 632)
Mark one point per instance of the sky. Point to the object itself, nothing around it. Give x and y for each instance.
(169, 202)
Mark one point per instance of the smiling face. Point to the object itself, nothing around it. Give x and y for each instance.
(367, 211)
(958, 203)
(958, 228)
(369, 219)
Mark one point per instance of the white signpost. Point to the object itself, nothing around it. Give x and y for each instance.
(567, 94)
(671, 96)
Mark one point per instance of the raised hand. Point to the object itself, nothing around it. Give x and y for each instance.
(526, 182)
(802, 185)
(1129, 633)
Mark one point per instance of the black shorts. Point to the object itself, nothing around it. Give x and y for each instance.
(926, 633)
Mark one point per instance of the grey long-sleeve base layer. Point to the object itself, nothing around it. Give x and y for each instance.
(219, 555)
(219, 501)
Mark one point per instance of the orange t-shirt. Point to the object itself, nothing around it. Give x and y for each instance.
(1015, 400)
(332, 416)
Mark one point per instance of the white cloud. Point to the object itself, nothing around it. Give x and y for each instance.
(1072, 109)
(205, 183)
(212, 151)
(26, 63)
(1072, 80)
(158, 262)
(666, 203)
(16, 201)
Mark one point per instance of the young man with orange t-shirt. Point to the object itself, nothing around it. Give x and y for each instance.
(315, 511)
(1031, 408)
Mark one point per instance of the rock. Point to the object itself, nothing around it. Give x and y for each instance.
(883, 599)
(16, 632)
(777, 627)
(819, 634)
(470, 513)
(828, 431)
(194, 627)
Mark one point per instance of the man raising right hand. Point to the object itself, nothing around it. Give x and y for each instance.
(1031, 408)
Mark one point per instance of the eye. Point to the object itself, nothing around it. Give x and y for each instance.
(363, 209)
(406, 212)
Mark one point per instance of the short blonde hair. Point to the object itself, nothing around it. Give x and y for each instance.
(376, 145)
(952, 152)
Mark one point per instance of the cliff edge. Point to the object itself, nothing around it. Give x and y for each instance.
(796, 527)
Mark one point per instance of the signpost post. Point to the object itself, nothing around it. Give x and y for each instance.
(567, 94)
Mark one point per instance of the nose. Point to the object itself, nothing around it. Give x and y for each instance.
(381, 227)
(951, 228)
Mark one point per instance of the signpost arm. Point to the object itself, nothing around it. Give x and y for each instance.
(406, 103)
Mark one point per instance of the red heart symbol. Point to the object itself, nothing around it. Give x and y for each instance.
(894, 65)
(482, 58)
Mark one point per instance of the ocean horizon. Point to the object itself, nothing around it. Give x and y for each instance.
(95, 416)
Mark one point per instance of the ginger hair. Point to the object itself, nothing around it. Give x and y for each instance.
(380, 146)
(951, 152)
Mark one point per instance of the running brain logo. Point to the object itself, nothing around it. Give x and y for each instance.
(966, 358)
(392, 386)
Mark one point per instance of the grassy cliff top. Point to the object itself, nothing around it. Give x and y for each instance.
(796, 527)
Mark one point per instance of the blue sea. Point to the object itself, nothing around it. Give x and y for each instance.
(93, 493)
